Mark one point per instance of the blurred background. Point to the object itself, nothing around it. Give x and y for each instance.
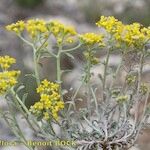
(80, 13)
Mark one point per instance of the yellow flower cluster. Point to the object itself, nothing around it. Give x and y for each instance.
(7, 78)
(50, 101)
(92, 38)
(132, 35)
(34, 27)
(109, 23)
(16, 27)
(122, 98)
(144, 88)
(62, 32)
(6, 62)
(57, 28)
(89, 55)
(131, 79)
(146, 32)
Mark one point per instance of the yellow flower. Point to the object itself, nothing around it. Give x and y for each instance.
(144, 88)
(132, 35)
(109, 23)
(146, 32)
(46, 116)
(50, 100)
(55, 115)
(44, 84)
(38, 106)
(122, 98)
(54, 86)
(59, 29)
(131, 79)
(60, 105)
(6, 62)
(17, 27)
(89, 55)
(7, 80)
(69, 30)
(91, 38)
(70, 40)
(35, 27)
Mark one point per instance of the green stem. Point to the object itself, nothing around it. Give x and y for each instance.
(140, 72)
(26, 111)
(74, 96)
(88, 85)
(34, 58)
(53, 132)
(25, 41)
(72, 49)
(19, 101)
(44, 43)
(58, 68)
(95, 100)
(36, 67)
(17, 132)
(116, 74)
(105, 72)
(88, 71)
(87, 80)
(23, 111)
(58, 57)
